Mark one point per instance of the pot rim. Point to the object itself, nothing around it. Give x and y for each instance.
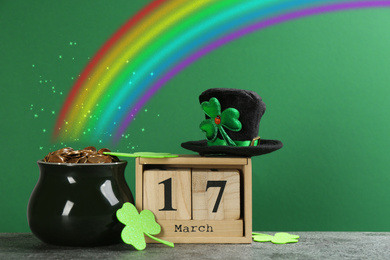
(82, 164)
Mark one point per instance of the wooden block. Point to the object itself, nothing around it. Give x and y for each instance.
(194, 228)
(167, 193)
(215, 194)
(192, 160)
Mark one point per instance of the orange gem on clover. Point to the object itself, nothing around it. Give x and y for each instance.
(217, 120)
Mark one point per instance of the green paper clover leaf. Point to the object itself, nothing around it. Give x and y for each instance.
(136, 225)
(279, 238)
(257, 237)
(217, 121)
(143, 154)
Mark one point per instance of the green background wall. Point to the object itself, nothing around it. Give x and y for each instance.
(325, 80)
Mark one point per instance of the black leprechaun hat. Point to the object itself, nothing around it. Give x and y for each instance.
(232, 124)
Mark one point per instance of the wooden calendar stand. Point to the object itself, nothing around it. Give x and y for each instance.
(197, 199)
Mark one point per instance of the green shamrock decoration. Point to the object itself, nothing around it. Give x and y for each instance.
(279, 238)
(136, 225)
(217, 121)
(143, 154)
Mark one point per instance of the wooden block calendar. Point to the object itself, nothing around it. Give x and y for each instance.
(197, 199)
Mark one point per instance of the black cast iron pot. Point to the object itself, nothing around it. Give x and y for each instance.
(76, 204)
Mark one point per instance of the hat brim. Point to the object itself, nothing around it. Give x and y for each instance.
(265, 146)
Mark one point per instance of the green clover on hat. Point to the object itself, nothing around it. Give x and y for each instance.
(217, 121)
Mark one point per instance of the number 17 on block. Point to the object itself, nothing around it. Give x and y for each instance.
(198, 194)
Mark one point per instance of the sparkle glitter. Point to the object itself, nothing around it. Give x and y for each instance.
(60, 56)
(143, 129)
(53, 112)
(146, 110)
(33, 65)
(35, 115)
(44, 130)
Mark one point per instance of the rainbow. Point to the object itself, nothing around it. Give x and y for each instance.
(156, 44)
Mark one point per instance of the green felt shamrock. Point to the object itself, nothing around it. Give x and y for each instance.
(136, 225)
(217, 121)
(143, 154)
(279, 238)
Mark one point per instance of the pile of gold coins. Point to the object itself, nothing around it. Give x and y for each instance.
(86, 155)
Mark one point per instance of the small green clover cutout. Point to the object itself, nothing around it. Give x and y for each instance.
(217, 121)
(136, 225)
(143, 154)
(279, 238)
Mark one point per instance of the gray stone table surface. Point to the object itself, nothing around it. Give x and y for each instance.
(311, 245)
